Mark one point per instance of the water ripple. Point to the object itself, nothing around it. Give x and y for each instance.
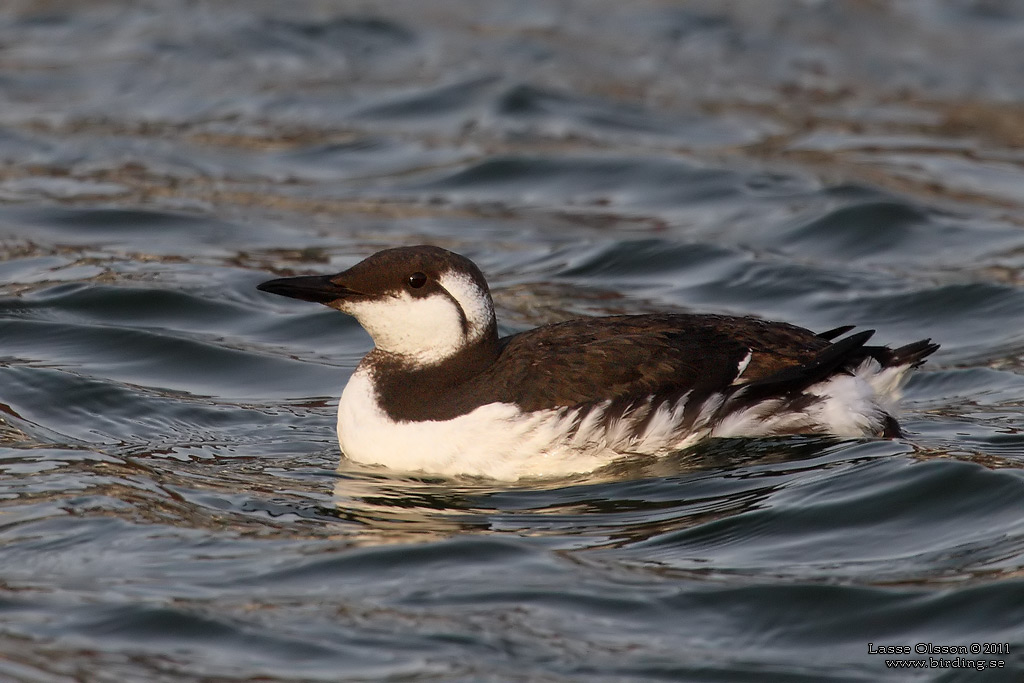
(173, 503)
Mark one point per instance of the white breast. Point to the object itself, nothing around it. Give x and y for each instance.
(497, 440)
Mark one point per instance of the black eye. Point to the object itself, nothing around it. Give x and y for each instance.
(417, 280)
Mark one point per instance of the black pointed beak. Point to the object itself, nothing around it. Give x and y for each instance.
(316, 288)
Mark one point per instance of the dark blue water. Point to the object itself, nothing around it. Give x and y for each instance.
(173, 505)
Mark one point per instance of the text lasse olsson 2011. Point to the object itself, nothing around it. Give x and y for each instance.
(942, 663)
(933, 649)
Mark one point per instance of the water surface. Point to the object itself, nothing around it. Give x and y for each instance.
(173, 505)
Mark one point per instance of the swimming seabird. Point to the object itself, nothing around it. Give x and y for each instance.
(442, 393)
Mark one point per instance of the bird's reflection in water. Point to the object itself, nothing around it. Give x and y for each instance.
(627, 502)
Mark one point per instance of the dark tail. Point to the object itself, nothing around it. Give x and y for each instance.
(912, 354)
(835, 332)
(842, 356)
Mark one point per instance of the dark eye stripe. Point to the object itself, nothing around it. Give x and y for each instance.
(462, 314)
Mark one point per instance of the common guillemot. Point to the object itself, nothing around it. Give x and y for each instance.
(441, 393)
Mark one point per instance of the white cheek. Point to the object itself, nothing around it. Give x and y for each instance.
(426, 330)
(476, 304)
